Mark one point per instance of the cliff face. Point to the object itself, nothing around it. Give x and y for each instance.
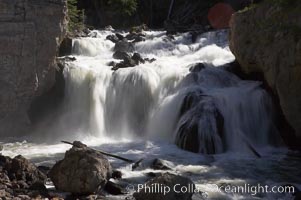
(30, 31)
(267, 39)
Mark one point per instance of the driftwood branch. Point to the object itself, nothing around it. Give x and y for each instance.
(103, 152)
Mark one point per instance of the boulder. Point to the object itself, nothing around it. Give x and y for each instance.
(135, 37)
(114, 188)
(196, 67)
(127, 62)
(119, 36)
(174, 182)
(116, 174)
(82, 171)
(200, 126)
(160, 164)
(121, 55)
(138, 58)
(273, 49)
(124, 46)
(112, 38)
(20, 169)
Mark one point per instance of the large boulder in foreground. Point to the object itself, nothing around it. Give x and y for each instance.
(266, 39)
(82, 171)
(174, 182)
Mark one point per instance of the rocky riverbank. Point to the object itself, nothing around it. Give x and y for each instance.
(83, 173)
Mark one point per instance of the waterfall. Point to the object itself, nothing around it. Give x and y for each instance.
(200, 107)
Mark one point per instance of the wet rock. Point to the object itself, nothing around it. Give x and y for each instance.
(135, 37)
(119, 36)
(112, 38)
(65, 47)
(150, 60)
(169, 180)
(39, 186)
(127, 62)
(114, 188)
(116, 174)
(44, 169)
(89, 170)
(160, 164)
(124, 46)
(121, 55)
(197, 67)
(153, 174)
(200, 126)
(137, 58)
(112, 64)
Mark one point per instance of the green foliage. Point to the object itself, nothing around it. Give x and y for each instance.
(128, 7)
(247, 8)
(75, 17)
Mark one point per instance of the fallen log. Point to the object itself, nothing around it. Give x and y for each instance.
(81, 145)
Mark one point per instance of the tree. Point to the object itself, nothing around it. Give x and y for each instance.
(128, 7)
(75, 17)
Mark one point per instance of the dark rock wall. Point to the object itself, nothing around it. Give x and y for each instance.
(266, 39)
(30, 31)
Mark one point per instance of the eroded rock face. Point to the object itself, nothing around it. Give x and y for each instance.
(82, 171)
(267, 39)
(30, 32)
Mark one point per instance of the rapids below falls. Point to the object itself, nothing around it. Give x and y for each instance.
(138, 112)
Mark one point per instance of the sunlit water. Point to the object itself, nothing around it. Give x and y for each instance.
(134, 112)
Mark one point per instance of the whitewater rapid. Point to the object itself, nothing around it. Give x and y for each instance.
(136, 112)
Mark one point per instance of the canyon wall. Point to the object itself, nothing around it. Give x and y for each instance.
(266, 38)
(30, 31)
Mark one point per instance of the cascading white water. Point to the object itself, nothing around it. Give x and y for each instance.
(146, 100)
(142, 112)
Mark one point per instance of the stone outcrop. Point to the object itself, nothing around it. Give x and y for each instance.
(82, 171)
(30, 31)
(266, 39)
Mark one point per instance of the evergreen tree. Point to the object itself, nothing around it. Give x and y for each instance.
(75, 17)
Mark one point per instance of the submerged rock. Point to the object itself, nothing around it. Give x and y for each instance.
(82, 171)
(138, 58)
(200, 126)
(124, 46)
(112, 38)
(174, 182)
(160, 164)
(121, 55)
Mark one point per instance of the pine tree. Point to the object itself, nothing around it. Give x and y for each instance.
(75, 17)
(128, 7)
